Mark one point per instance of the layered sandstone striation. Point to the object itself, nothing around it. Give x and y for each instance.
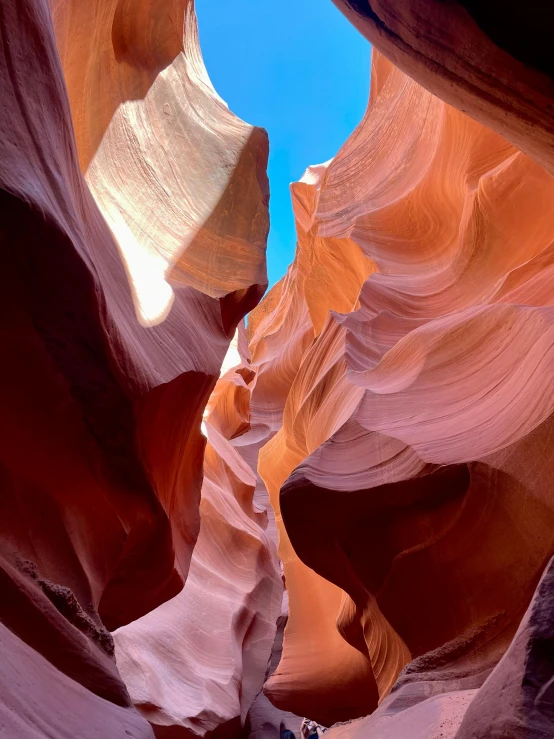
(195, 664)
(492, 59)
(415, 511)
(134, 221)
(298, 358)
(384, 421)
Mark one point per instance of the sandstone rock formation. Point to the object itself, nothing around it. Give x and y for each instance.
(197, 662)
(266, 721)
(391, 396)
(291, 338)
(134, 209)
(515, 700)
(490, 58)
(412, 421)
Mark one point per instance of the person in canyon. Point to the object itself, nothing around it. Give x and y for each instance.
(286, 733)
(311, 729)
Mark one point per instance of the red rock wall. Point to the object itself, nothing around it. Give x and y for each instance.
(412, 458)
(194, 665)
(492, 59)
(392, 397)
(116, 314)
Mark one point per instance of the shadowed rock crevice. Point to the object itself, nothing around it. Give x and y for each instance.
(377, 437)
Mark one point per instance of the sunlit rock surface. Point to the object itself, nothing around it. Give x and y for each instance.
(391, 397)
(418, 423)
(493, 59)
(195, 664)
(134, 221)
(297, 351)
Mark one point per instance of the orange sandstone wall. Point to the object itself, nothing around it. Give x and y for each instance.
(492, 59)
(392, 397)
(134, 221)
(194, 665)
(410, 471)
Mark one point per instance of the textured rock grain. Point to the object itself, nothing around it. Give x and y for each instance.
(412, 452)
(491, 59)
(392, 396)
(134, 220)
(196, 663)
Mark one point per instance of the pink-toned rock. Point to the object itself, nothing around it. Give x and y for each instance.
(392, 396)
(194, 665)
(517, 699)
(411, 420)
(40, 701)
(120, 206)
(490, 59)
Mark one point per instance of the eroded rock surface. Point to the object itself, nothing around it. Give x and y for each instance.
(489, 58)
(134, 221)
(413, 423)
(194, 665)
(392, 395)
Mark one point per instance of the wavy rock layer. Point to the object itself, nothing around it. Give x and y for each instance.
(394, 393)
(514, 701)
(134, 227)
(419, 515)
(491, 59)
(298, 359)
(195, 664)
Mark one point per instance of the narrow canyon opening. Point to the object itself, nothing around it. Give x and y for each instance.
(317, 502)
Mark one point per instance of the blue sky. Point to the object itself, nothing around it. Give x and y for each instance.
(300, 70)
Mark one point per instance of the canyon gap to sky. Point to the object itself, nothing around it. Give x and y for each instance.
(300, 70)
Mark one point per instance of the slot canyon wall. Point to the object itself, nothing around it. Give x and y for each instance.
(134, 226)
(377, 437)
(412, 472)
(491, 59)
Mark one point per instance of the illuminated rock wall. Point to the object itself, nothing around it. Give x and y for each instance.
(411, 471)
(392, 396)
(134, 221)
